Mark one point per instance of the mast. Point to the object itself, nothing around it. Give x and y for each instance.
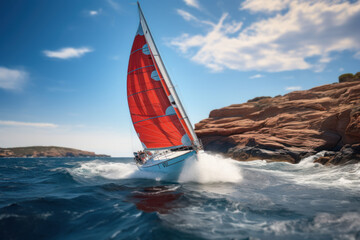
(157, 58)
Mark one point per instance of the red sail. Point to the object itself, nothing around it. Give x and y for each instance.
(153, 116)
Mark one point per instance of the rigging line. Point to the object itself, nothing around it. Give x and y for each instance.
(160, 65)
(161, 130)
(168, 144)
(171, 138)
(165, 128)
(160, 138)
(166, 86)
(136, 50)
(153, 118)
(157, 117)
(145, 91)
(144, 105)
(140, 68)
(148, 116)
(168, 129)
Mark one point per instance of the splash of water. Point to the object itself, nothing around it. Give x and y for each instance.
(211, 168)
(207, 169)
(309, 161)
(113, 171)
(109, 170)
(307, 172)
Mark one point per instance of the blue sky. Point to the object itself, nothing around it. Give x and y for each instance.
(63, 64)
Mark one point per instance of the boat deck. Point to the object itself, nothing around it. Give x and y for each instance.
(168, 155)
(166, 158)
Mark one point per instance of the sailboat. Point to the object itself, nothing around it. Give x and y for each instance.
(158, 116)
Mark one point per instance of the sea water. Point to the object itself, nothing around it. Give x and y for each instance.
(214, 198)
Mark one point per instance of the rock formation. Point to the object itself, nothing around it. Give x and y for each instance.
(42, 151)
(290, 127)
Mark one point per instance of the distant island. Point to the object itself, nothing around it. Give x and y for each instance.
(290, 127)
(46, 151)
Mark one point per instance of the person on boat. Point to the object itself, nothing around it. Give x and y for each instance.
(142, 156)
(138, 158)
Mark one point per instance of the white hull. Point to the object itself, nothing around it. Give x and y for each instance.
(170, 164)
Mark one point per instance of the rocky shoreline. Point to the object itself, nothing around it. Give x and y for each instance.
(290, 127)
(45, 151)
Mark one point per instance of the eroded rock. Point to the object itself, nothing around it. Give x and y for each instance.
(289, 127)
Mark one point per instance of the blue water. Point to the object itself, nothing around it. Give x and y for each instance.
(214, 198)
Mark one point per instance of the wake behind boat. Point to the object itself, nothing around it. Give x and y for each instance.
(158, 116)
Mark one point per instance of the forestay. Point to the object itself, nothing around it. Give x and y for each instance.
(155, 119)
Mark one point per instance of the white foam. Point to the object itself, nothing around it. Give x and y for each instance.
(349, 221)
(309, 161)
(113, 171)
(312, 174)
(207, 169)
(109, 170)
(211, 168)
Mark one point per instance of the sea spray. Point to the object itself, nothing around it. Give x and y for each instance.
(309, 161)
(272, 201)
(307, 173)
(113, 171)
(104, 169)
(211, 168)
(208, 168)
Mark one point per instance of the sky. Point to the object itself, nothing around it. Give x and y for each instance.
(63, 64)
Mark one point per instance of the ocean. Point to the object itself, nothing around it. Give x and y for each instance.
(214, 198)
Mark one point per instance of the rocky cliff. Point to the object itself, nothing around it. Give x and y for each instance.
(42, 151)
(290, 127)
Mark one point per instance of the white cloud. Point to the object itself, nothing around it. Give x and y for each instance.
(12, 79)
(93, 13)
(293, 88)
(187, 16)
(28, 124)
(341, 69)
(66, 53)
(192, 3)
(114, 4)
(264, 5)
(285, 41)
(256, 76)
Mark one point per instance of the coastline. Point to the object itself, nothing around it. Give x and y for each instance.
(46, 152)
(290, 127)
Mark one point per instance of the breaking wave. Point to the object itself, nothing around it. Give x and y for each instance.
(207, 168)
(211, 168)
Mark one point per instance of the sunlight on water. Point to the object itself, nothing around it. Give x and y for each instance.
(211, 168)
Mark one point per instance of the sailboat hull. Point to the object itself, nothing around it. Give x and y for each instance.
(169, 166)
